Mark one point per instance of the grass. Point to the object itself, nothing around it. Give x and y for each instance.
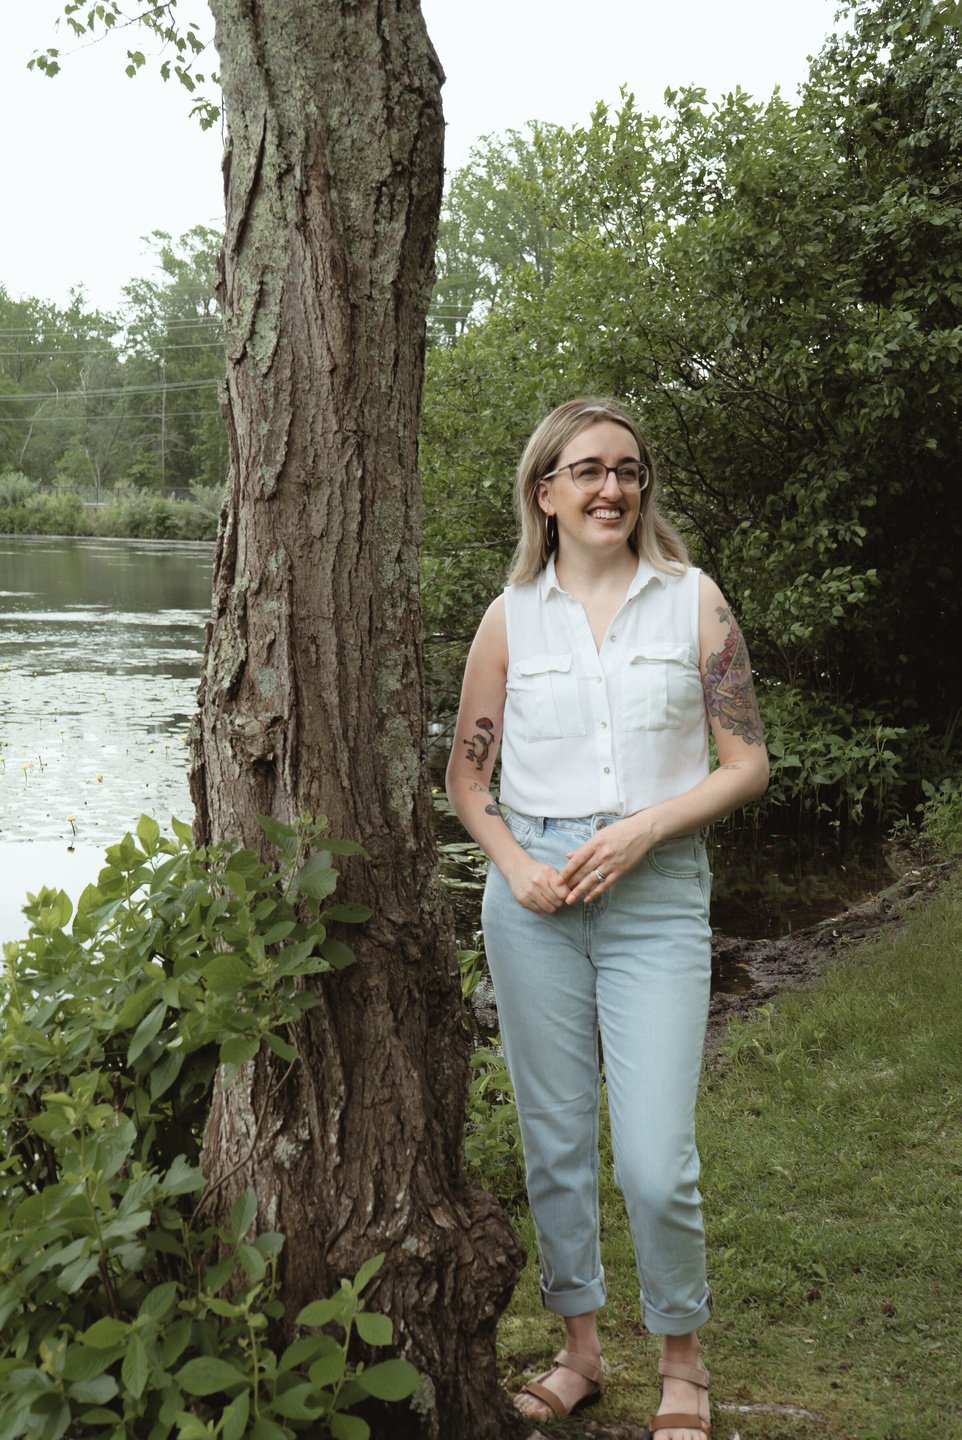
(830, 1128)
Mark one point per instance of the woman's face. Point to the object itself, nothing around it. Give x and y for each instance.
(602, 518)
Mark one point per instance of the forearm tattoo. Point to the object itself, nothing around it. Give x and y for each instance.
(493, 808)
(729, 691)
(479, 746)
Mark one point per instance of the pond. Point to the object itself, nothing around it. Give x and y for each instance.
(100, 652)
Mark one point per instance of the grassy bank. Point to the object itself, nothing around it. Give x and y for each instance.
(829, 1127)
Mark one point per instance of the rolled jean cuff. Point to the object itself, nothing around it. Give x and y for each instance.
(657, 1323)
(583, 1300)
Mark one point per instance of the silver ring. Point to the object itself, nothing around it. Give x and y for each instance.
(601, 875)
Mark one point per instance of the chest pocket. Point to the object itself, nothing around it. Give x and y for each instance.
(656, 686)
(547, 691)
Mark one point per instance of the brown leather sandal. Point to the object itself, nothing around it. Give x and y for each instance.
(569, 1361)
(696, 1375)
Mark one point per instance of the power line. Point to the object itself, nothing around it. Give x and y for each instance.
(110, 351)
(124, 390)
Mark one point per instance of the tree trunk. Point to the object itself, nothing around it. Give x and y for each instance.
(313, 699)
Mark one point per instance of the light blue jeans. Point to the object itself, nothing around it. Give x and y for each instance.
(635, 964)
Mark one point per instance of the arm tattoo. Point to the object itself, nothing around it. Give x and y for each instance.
(729, 692)
(480, 743)
(491, 809)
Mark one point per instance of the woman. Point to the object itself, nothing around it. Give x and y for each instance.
(597, 674)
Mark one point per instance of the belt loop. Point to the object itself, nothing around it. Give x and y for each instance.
(537, 825)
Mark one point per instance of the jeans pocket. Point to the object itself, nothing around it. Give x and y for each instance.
(677, 859)
(521, 827)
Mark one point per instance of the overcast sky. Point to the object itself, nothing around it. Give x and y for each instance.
(94, 161)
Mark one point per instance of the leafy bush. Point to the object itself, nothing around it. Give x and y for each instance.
(941, 827)
(60, 513)
(492, 1144)
(15, 487)
(834, 759)
(123, 1316)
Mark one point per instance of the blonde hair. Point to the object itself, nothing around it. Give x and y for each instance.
(653, 537)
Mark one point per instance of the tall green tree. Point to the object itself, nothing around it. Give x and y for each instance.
(174, 342)
(313, 694)
(776, 287)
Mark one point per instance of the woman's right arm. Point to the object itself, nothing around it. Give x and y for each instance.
(477, 737)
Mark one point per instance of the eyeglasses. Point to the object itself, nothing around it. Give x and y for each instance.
(591, 474)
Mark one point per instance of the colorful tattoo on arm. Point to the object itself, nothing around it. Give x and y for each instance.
(729, 691)
(479, 746)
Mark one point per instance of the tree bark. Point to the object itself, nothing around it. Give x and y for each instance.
(312, 699)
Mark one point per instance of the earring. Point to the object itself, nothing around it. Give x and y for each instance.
(550, 533)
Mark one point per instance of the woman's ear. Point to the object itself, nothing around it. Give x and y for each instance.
(544, 497)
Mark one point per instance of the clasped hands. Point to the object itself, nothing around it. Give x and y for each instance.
(591, 869)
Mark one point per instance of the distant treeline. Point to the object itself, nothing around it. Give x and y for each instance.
(93, 399)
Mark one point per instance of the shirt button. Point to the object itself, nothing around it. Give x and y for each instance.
(604, 724)
(612, 637)
(598, 679)
(607, 769)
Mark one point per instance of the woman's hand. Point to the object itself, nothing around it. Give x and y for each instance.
(536, 886)
(610, 853)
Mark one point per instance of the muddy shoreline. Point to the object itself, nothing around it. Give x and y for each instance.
(761, 969)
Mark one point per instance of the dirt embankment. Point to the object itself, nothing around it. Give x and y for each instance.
(759, 969)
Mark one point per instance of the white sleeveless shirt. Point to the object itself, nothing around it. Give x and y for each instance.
(611, 732)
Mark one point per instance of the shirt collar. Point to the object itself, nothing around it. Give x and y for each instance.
(643, 577)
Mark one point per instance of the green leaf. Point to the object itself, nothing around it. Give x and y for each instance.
(182, 1178)
(105, 1334)
(349, 914)
(148, 833)
(293, 1404)
(93, 1392)
(390, 1380)
(308, 1348)
(374, 1329)
(280, 1047)
(158, 1303)
(328, 1370)
(207, 1375)
(242, 1214)
(367, 1273)
(316, 877)
(348, 1427)
(321, 1312)
(234, 1418)
(163, 1075)
(182, 830)
(145, 1032)
(339, 954)
(84, 1363)
(239, 1049)
(282, 837)
(252, 1261)
(136, 1367)
(264, 1429)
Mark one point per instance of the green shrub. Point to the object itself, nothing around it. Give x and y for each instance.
(941, 828)
(15, 488)
(123, 1315)
(834, 759)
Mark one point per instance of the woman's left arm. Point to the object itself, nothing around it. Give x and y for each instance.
(741, 774)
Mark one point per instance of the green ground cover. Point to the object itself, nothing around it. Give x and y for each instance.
(829, 1127)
